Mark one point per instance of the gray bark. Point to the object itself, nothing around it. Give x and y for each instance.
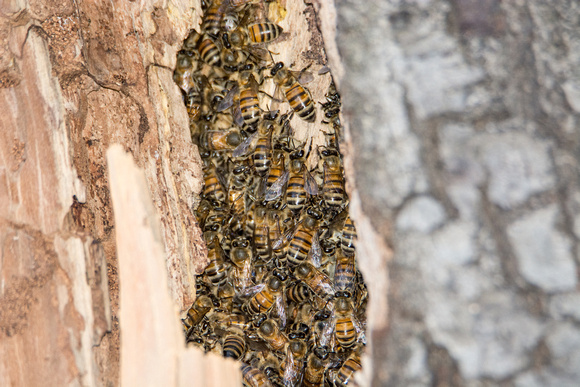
(463, 118)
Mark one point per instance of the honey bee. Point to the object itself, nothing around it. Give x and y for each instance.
(271, 367)
(225, 321)
(191, 41)
(300, 328)
(346, 325)
(293, 365)
(213, 182)
(265, 298)
(298, 292)
(277, 176)
(230, 21)
(220, 140)
(263, 148)
(216, 269)
(226, 293)
(345, 274)
(351, 365)
(348, 237)
(198, 310)
(264, 32)
(333, 182)
(271, 334)
(209, 51)
(263, 153)
(183, 74)
(314, 371)
(302, 240)
(249, 103)
(241, 257)
(193, 104)
(254, 377)
(261, 232)
(234, 344)
(318, 282)
(212, 19)
(297, 95)
(327, 260)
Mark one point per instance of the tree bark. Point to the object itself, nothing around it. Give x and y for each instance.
(463, 119)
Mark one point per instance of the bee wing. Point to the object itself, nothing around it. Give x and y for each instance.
(246, 275)
(221, 175)
(242, 149)
(261, 188)
(305, 77)
(253, 84)
(252, 290)
(336, 225)
(310, 184)
(323, 70)
(361, 337)
(228, 101)
(290, 370)
(288, 235)
(238, 118)
(281, 310)
(315, 253)
(327, 332)
(327, 288)
(275, 191)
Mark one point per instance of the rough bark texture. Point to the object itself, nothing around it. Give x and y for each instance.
(463, 118)
(76, 77)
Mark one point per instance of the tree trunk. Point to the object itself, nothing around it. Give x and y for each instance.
(463, 118)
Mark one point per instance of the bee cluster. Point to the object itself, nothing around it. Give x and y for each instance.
(282, 292)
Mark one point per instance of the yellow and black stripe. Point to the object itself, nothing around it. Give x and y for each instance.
(264, 32)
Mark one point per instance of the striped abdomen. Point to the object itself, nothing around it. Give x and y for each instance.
(350, 366)
(301, 102)
(193, 104)
(299, 247)
(333, 187)
(348, 237)
(295, 192)
(298, 293)
(212, 187)
(216, 271)
(345, 274)
(345, 332)
(261, 241)
(209, 52)
(234, 346)
(249, 105)
(253, 377)
(212, 19)
(263, 32)
(261, 302)
(262, 155)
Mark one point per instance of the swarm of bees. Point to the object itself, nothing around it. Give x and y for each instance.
(282, 292)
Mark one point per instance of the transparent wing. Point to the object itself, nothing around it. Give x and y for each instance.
(310, 184)
(327, 332)
(281, 310)
(284, 239)
(275, 191)
(324, 70)
(290, 370)
(252, 290)
(315, 253)
(243, 148)
(228, 101)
